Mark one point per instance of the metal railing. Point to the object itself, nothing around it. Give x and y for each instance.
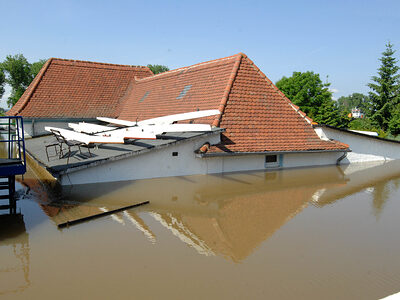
(12, 131)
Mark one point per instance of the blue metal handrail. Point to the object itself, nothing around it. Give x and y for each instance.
(15, 140)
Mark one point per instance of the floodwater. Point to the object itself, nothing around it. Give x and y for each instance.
(318, 233)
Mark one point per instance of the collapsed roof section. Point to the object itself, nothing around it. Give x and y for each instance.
(77, 89)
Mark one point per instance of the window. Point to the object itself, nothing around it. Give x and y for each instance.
(273, 161)
(174, 153)
(184, 91)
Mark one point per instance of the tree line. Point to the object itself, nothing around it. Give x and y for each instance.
(381, 107)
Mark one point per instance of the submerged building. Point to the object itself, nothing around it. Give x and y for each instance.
(258, 126)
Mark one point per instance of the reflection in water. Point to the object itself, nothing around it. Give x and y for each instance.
(14, 253)
(375, 179)
(320, 233)
(140, 225)
(380, 196)
(228, 215)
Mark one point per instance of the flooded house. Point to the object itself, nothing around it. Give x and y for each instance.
(300, 233)
(255, 128)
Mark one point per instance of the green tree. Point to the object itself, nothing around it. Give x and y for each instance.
(156, 69)
(362, 124)
(329, 114)
(36, 67)
(394, 123)
(306, 90)
(361, 101)
(19, 74)
(385, 89)
(2, 82)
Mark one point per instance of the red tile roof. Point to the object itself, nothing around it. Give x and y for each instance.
(159, 95)
(77, 89)
(256, 115)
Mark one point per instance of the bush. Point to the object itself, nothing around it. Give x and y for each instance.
(362, 124)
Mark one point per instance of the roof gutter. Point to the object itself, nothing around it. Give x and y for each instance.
(222, 154)
(341, 158)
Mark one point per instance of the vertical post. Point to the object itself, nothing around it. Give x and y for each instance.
(11, 193)
(8, 138)
(23, 140)
(17, 121)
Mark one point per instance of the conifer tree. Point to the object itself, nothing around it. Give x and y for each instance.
(385, 89)
(394, 123)
(329, 114)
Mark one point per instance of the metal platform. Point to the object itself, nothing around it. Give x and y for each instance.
(12, 159)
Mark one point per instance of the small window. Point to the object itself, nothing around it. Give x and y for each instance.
(145, 96)
(174, 153)
(184, 91)
(272, 161)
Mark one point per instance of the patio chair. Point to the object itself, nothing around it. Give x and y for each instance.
(56, 144)
(69, 143)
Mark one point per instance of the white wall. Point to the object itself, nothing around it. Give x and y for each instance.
(364, 148)
(310, 159)
(161, 163)
(257, 162)
(155, 163)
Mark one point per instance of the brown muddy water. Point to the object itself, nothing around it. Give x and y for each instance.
(319, 233)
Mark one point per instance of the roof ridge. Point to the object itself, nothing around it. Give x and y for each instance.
(99, 63)
(38, 78)
(191, 66)
(228, 89)
(290, 103)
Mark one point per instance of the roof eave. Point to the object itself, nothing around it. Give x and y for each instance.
(219, 154)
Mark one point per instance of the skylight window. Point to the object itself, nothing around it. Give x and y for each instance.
(184, 91)
(145, 96)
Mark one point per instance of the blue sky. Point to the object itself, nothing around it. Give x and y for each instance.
(339, 39)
